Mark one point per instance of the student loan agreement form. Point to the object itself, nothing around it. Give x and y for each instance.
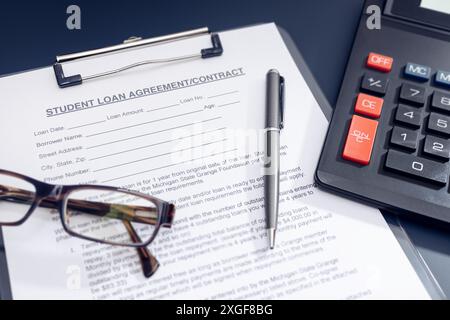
(191, 132)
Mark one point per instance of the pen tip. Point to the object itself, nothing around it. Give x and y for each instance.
(271, 235)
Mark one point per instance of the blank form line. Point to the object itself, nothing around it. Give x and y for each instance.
(228, 104)
(223, 94)
(155, 144)
(166, 107)
(154, 132)
(143, 123)
(146, 95)
(159, 155)
(87, 124)
(170, 165)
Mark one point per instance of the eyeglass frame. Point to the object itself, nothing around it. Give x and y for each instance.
(61, 193)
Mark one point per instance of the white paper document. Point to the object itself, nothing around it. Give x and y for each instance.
(192, 133)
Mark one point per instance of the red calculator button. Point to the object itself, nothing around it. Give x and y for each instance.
(379, 62)
(369, 105)
(360, 139)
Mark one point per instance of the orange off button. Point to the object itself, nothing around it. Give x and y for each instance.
(379, 62)
(360, 139)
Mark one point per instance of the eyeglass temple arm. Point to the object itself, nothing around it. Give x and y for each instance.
(148, 261)
(118, 211)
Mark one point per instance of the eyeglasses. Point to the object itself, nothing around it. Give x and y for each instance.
(97, 213)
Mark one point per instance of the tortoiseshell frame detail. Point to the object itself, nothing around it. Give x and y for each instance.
(57, 197)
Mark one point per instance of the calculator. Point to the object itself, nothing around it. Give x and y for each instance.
(388, 143)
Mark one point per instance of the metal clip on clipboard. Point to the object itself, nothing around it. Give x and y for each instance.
(73, 80)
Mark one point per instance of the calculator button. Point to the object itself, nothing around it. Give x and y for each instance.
(437, 147)
(439, 123)
(409, 115)
(417, 71)
(360, 139)
(443, 78)
(369, 105)
(375, 83)
(412, 93)
(379, 62)
(441, 101)
(404, 138)
(418, 167)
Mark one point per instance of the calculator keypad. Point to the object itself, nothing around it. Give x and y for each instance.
(438, 147)
(441, 101)
(443, 78)
(375, 83)
(405, 138)
(418, 144)
(379, 62)
(439, 123)
(417, 72)
(429, 163)
(431, 171)
(410, 116)
(369, 105)
(412, 94)
(360, 139)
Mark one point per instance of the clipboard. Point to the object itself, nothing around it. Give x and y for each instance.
(67, 80)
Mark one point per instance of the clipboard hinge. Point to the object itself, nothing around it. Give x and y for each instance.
(216, 49)
(63, 81)
(68, 81)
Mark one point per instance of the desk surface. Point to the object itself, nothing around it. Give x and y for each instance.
(33, 33)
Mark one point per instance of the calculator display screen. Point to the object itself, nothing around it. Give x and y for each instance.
(432, 13)
(436, 5)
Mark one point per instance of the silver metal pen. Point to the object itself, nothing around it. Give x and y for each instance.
(274, 123)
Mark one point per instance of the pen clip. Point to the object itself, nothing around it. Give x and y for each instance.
(281, 90)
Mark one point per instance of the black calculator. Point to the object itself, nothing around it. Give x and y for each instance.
(388, 143)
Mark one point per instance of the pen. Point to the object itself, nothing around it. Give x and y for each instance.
(274, 123)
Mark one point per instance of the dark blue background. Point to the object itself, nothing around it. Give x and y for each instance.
(32, 33)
